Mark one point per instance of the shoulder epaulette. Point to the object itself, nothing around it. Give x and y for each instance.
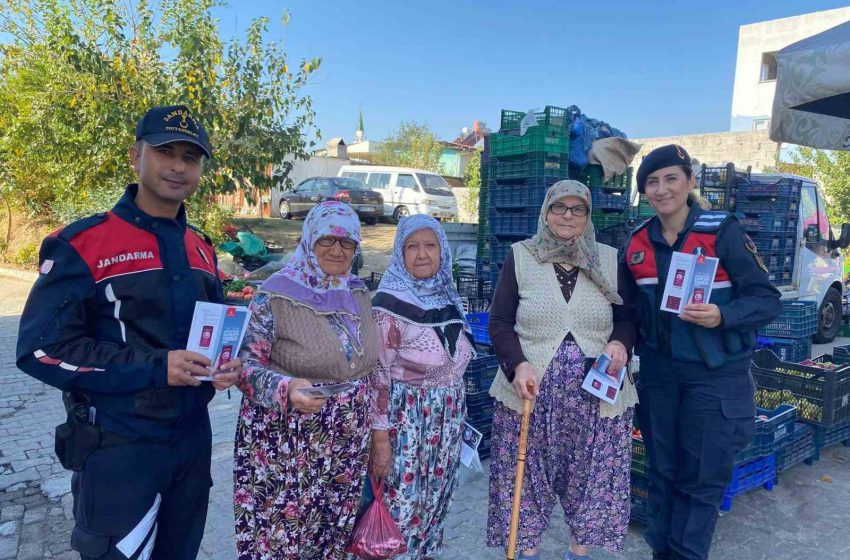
(201, 234)
(75, 228)
(711, 220)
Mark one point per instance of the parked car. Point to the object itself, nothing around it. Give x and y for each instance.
(407, 191)
(368, 204)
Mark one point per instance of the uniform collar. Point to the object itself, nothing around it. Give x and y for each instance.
(655, 226)
(127, 209)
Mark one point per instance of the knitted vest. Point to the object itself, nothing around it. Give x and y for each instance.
(544, 319)
(306, 346)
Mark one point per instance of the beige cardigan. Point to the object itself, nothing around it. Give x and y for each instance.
(544, 319)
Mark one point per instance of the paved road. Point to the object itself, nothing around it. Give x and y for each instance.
(804, 518)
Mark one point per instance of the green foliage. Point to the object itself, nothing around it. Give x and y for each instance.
(412, 145)
(832, 171)
(26, 255)
(78, 74)
(211, 218)
(472, 181)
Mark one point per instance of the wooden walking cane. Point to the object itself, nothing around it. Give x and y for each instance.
(520, 472)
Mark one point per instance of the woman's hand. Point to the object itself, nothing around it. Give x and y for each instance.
(703, 314)
(301, 401)
(525, 381)
(228, 374)
(380, 455)
(616, 350)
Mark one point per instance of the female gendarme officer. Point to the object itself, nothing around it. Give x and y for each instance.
(696, 394)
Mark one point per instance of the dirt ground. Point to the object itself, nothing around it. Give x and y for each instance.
(377, 242)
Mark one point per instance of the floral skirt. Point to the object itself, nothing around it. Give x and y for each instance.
(425, 439)
(298, 478)
(573, 455)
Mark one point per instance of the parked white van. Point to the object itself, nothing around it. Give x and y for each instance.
(407, 191)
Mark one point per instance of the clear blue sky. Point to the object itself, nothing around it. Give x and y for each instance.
(648, 67)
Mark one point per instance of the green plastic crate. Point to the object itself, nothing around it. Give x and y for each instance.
(548, 139)
(592, 176)
(550, 116)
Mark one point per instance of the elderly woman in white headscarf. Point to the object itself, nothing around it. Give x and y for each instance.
(555, 309)
(418, 398)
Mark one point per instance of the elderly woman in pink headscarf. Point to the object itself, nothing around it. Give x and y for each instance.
(300, 461)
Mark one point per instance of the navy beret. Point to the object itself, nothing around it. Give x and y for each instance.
(659, 158)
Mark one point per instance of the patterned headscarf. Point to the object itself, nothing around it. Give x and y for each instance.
(581, 251)
(302, 279)
(432, 302)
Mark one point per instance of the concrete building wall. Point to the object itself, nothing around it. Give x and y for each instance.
(752, 98)
(752, 148)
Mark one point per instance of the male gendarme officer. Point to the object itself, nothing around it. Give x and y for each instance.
(696, 394)
(106, 322)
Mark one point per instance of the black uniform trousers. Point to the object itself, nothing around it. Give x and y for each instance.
(693, 420)
(144, 501)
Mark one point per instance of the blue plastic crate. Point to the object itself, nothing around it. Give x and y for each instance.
(479, 374)
(639, 497)
(759, 205)
(769, 242)
(773, 427)
(788, 349)
(500, 249)
(478, 323)
(614, 236)
(479, 411)
(521, 224)
(776, 224)
(526, 196)
(749, 476)
(771, 187)
(827, 436)
(798, 319)
(609, 202)
(799, 448)
(841, 354)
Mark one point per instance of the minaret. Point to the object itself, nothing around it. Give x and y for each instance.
(359, 135)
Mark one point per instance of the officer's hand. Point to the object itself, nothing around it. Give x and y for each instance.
(184, 365)
(301, 401)
(381, 455)
(525, 376)
(228, 374)
(616, 350)
(703, 314)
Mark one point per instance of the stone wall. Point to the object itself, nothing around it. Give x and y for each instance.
(750, 148)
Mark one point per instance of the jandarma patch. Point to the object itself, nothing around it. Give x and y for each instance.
(636, 257)
(46, 266)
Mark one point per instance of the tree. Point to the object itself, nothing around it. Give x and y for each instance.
(412, 145)
(472, 182)
(832, 171)
(77, 75)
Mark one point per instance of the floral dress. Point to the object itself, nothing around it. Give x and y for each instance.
(297, 478)
(418, 395)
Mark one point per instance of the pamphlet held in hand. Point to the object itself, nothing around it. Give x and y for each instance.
(327, 391)
(600, 383)
(689, 280)
(217, 332)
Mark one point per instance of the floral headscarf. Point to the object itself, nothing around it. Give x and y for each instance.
(302, 279)
(432, 302)
(581, 251)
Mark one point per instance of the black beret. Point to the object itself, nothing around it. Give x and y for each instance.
(659, 158)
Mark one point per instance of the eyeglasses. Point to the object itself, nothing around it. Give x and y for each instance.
(344, 242)
(560, 209)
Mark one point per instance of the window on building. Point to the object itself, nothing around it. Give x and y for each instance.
(768, 67)
(761, 124)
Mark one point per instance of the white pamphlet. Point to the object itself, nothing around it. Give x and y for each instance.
(470, 438)
(217, 332)
(326, 391)
(602, 384)
(689, 280)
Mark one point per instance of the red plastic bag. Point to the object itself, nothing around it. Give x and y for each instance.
(376, 536)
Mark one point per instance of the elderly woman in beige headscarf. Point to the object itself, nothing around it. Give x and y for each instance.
(555, 309)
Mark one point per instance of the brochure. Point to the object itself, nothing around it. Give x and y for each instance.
(689, 280)
(326, 391)
(469, 440)
(217, 332)
(600, 383)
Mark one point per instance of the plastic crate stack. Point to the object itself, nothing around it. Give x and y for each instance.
(521, 170)
(789, 336)
(768, 208)
(799, 447)
(719, 185)
(817, 387)
(643, 211)
(479, 404)
(639, 480)
(482, 255)
(611, 204)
